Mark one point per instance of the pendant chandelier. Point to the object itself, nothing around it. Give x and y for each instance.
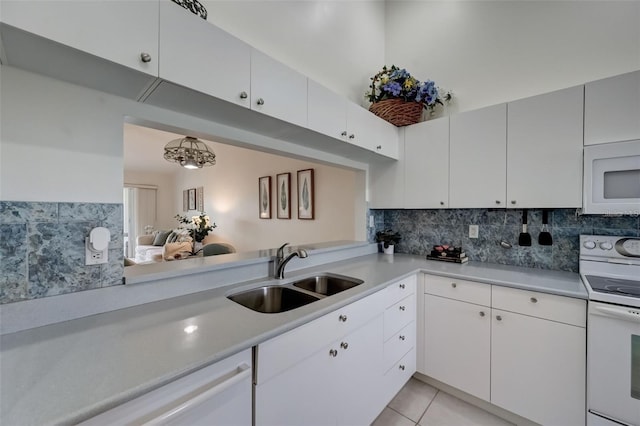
(190, 153)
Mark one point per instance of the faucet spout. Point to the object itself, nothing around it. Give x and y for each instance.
(282, 261)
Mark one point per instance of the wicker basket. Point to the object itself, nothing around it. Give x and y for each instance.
(397, 111)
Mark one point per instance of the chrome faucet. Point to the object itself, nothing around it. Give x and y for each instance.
(281, 261)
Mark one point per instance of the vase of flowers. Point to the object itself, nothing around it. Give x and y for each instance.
(399, 98)
(198, 227)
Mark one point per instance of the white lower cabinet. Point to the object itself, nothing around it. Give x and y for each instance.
(327, 387)
(520, 350)
(458, 344)
(538, 356)
(339, 369)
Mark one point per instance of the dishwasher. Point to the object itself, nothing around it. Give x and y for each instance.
(219, 394)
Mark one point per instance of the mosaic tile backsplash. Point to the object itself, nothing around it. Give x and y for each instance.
(42, 248)
(422, 229)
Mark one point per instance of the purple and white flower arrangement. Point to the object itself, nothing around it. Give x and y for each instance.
(397, 83)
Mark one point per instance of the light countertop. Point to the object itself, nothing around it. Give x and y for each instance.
(66, 372)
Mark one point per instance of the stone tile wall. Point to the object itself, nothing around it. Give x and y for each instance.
(42, 248)
(422, 229)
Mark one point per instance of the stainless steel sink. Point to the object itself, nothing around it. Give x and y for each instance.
(327, 284)
(272, 299)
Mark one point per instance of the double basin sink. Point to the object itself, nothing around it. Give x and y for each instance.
(271, 299)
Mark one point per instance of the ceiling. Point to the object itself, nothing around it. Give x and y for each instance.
(144, 149)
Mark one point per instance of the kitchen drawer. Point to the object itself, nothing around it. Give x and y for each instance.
(465, 291)
(399, 315)
(399, 344)
(284, 351)
(400, 289)
(398, 375)
(548, 306)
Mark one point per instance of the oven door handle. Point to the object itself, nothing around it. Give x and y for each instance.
(627, 314)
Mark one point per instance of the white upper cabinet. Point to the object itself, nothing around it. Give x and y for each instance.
(337, 117)
(426, 153)
(386, 182)
(478, 158)
(612, 109)
(89, 43)
(277, 90)
(209, 60)
(327, 111)
(544, 150)
(369, 131)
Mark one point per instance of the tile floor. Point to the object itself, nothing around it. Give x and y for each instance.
(419, 404)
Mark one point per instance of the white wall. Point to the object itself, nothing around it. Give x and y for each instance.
(166, 194)
(339, 44)
(490, 52)
(231, 200)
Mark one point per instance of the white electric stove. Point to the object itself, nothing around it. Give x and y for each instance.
(610, 270)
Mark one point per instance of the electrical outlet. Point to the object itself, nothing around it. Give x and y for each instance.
(371, 221)
(93, 257)
(473, 231)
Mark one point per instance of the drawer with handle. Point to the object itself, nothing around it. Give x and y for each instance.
(399, 315)
(400, 289)
(542, 305)
(399, 344)
(463, 290)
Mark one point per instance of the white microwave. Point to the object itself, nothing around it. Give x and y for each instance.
(612, 178)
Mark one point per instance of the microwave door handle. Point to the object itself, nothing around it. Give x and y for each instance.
(620, 313)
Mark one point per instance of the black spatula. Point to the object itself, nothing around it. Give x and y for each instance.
(544, 238)
(525, 238)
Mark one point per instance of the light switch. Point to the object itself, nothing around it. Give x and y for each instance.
(473, 231)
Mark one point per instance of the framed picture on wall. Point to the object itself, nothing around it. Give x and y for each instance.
(185, 200)
(192, 199)
(264, 197)
(305, 194)
(200, 198)
(283, 195)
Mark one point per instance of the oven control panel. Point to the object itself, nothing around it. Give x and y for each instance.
(609, 247)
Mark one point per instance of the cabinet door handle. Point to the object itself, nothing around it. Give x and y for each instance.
(513, 202)
(342, 318)
(454, 285)
(243, 95)
(145, 57)
(499, 317)
(442, 203)
(534, 300)
(402, 308)
(343, 134)
(402, 337)
(379, 147)
(402, 286)
(497, 202)
(260, 101)
(401, 367)
(333, 353)
(481, 313)
(352, 136)
(344, 345)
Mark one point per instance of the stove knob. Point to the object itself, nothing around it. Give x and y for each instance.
(606, 245)
(590, 245)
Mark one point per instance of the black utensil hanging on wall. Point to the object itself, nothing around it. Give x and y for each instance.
(525, 238)
(545, 239)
